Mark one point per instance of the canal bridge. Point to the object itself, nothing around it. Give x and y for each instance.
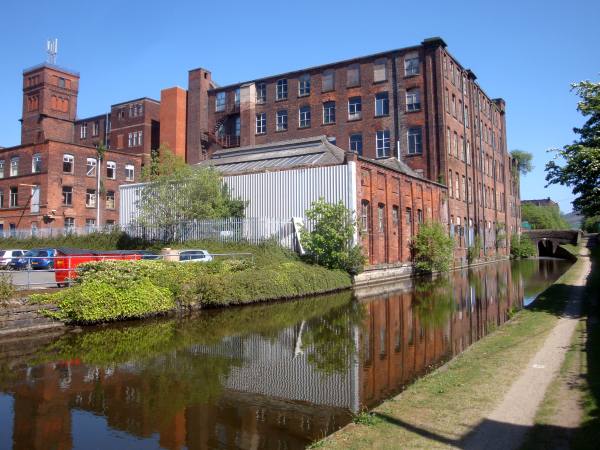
(547, 241)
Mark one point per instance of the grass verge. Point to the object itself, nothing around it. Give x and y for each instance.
(441, 408)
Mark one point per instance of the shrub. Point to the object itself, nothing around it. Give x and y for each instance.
(591, 224)
(329, 243)
(474, 251)
(7, 289)
(432, 248)
(521, 247)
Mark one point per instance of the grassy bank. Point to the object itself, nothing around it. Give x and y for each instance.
(116, 290)
(444, 407)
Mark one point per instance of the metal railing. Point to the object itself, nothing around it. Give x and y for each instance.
(24, 275)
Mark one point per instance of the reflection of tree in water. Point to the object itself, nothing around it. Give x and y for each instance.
(329, 340)
(434, 302)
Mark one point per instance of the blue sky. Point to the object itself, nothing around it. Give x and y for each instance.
(527, 52)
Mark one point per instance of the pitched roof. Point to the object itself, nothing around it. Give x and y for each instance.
(307, 152)
(394, 164)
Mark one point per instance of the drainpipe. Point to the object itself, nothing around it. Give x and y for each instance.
(395, 104)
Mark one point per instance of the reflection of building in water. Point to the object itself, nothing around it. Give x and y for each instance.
(280, 390)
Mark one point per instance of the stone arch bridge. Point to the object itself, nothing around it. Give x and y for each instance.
(547, 241)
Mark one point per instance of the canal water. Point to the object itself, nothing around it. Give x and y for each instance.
(275, 376)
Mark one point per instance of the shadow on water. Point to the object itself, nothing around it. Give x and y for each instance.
(272, 375)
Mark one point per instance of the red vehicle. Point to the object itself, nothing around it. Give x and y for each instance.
(67, 260)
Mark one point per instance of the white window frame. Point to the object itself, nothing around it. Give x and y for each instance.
(129, 172)
(91, 165)
(1, 168)
(304, 116)
(236, 97)
(111, 201)
(411, 64)
(304, 85)
(220, 101)
(261, 123)
(352, 142)
(111, 165)
(354, 108)
(328, 113)
(13, 200)
(69, 159)
(83, 130)
(14, 166)
(95, 128)
(36, 163)
(414, 137)
(413, 100)
(281, 120)
(261, 93)
(281, 91)
(380, 70)
(384, 102)
(382, 143)
(90, 198)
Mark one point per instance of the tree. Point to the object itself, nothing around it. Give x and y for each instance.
(177, 192)
(329, 244)
(544, 217)
(433, 249)
(524, 165)
(581, 170)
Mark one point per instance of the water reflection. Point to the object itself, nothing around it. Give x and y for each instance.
(272, 376)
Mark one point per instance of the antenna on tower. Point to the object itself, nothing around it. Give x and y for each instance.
(52, 50)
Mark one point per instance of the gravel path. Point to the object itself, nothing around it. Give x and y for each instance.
(506, 427)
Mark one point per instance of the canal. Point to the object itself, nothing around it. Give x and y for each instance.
(272, 376)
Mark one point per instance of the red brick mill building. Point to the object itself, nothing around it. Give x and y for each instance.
(417, 106)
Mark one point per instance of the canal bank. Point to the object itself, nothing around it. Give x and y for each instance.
(447, 407)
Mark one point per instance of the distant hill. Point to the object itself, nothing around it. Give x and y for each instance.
(574, 219)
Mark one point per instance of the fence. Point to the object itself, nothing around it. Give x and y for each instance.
(251, 230)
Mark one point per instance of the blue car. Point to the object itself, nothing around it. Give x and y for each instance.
(35, 259)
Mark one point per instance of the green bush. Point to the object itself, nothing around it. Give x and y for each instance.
(521, 247)
(433, 249)
(7, 289)
(97, 300)
(329, 243)
(591, 224)
(474, 250)
(544, 217)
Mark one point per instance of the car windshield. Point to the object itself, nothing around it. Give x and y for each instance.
(187, 256)
(42, 253)
(2, 252)
(31, 253)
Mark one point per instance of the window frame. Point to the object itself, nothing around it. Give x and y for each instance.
(281, 120)
(68, 159)
(356, 141)
(261, 93)
(382, 99)
(260, 124)
(90, 198)
(129, 172)
(91, 167)
(304, 116)
(36, 163)
(380, 151)
(329, 112)
(220, 101)
(67, 195)
(355, 109)
(414, 139)
(413, 100)
(111, 165)
(304, 85)
(281, 89)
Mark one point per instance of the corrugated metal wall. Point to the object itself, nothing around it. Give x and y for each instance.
(283, 194)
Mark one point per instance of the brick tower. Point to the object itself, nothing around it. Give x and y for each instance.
(49, 104)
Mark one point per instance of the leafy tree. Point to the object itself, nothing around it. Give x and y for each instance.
(544, 217)
(521, 246)
(433, 249)
(524, 165)
(330, 242)
(581, 170)
(177, 193)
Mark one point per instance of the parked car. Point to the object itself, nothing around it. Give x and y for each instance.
(195, 256)
(6, 256)
(43, 259)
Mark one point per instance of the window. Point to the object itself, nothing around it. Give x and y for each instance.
(282, 120)
(356, 143)
(328, 112)
(261, 123)
(448, 141)
(90, 167)
(282, 89)
(130, 140)
(111, 170)
(353, 75)
(236, 97)
(83, 130)
(140, 135)
(95, 128)
(381, 218)
(382, 145)
(261, 93)
(129, 172)
(304, 85)
(354, 108)
(220, 101)
(450, 193)
(90, 224)
(419, 216)
(61, 82)
(36, 163)
(68, 163)
(67, 195)
(14, 166)
(453, 105)
(379, 70)
(456, 187)
(304, 117)
(328, 80)
(408, 216)
(413, 102)
(455, 147)
(69, 223)
(415, 145)
(382, 104)
(463, 191)
(90, 198)
(110, 199)
(1, 198)
(14, 196)
(395, 215)
(364, 215)
(2, 168)
(411, 64)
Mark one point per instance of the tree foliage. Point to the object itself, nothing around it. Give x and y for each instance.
(330, 242)
(521, 246)
(523, 158)
(433, 249)
(581, 169)
(177, 192)
(544, 217)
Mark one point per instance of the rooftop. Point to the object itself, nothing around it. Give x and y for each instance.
(51, 66)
